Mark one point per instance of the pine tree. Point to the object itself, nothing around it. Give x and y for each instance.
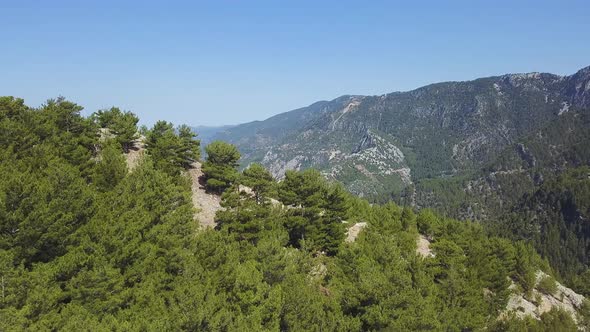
(243, 217)
(189, 148)
(46, 209)
(259, 180)
(318, 210)
(111, 168)
(122, 125)
(408, 219)
(525, 267)
(125, 129)
(220, 168)
(330, 233)
(169, 151)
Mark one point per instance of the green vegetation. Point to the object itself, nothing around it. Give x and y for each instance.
(535, 190)
(547, 285)
(316, 211)
(554, 217)
(221, 166)
(87, 245)
(172, 150)
(122, 125)
(551, 321)
(110, 168)
(584, 315)
(259, 180)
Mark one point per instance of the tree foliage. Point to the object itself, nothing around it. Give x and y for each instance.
(122, 125)
(259, 180)
(86, 245)
(172, 150)
(220, 168)
(111, 167)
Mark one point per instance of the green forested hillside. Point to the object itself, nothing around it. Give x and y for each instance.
(87, 245)
(555, 217)
(535, 190)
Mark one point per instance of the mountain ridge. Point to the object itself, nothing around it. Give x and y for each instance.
(257, 139)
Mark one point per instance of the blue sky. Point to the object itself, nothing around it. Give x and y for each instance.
(227, 62)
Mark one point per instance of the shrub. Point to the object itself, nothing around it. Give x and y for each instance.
(547, 285)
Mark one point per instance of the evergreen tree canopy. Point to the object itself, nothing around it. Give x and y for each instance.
(172, 150)
(318, 210)
(111, 168)
(123, 125)
(220, 168)
(259, 180)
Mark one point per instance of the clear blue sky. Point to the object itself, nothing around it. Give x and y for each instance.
(227, 62)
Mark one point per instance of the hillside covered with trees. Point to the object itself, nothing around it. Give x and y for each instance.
(86, 244)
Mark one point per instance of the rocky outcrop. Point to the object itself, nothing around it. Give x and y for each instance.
(539, 303)
(354, 231)
(135, 153)
(423, 247)
(365, 143)
(578, 87)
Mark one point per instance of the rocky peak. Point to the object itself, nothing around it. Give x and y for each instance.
(365, 143)
(579, 88)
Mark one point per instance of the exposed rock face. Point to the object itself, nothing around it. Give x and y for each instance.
(354, 231)
(423, 247)
(278, 167)
(525, 155)
(578, 87)
(472, 150)
(365, 143)
(564, 298)
(133, 156)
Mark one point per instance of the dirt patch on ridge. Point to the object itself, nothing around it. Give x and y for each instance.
(207, 204)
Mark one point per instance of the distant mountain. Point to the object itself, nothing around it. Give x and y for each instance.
(383, 146)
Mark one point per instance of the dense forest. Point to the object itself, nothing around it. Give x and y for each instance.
(88, 244)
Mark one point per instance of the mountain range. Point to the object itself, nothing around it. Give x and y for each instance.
(378, 146)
